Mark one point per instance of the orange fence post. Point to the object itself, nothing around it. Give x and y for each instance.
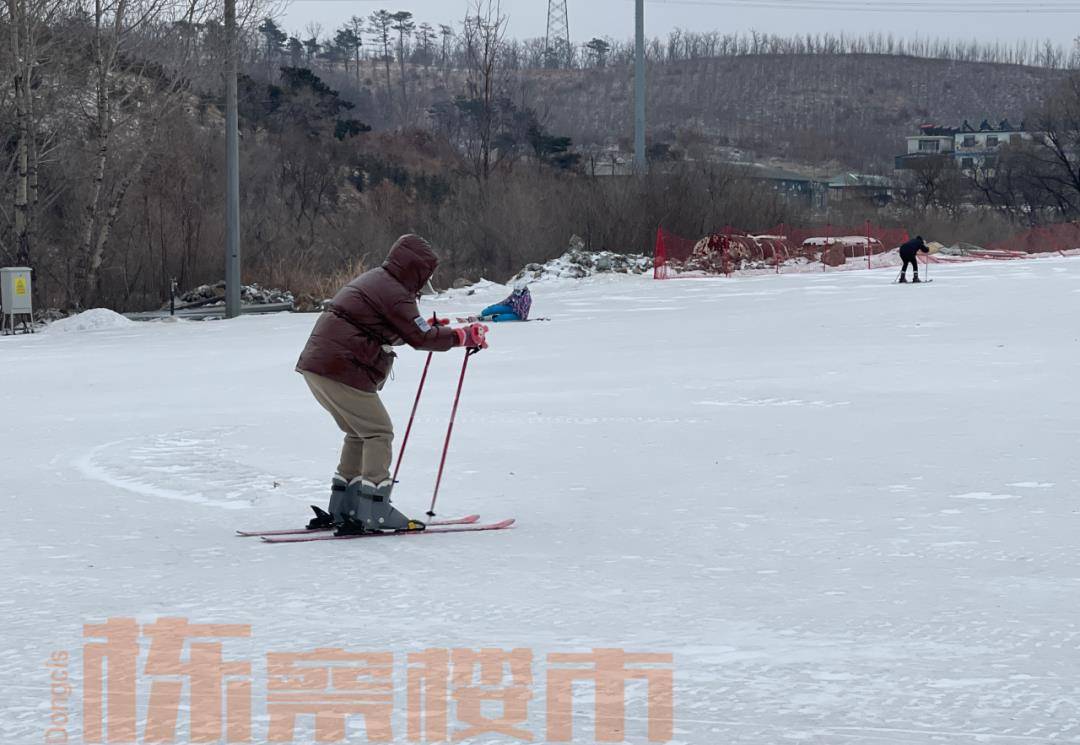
(783, 237)
(727, 250)
(828, 243)
(868, 250)
(660, 256)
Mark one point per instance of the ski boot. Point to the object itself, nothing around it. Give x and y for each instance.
(916, 279)
(367, 509)
(325, 519)
(903, 279)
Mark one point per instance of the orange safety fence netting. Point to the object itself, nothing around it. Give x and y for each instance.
(730, 250)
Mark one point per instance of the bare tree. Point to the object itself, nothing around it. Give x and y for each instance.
(447, 35)
(28, 23)
(936, 181)
(425, 39)
(483, 31)
(356, 25)
(404, 25)
(133, 93)
(312, 44)
(381, 24)
(1057, 155)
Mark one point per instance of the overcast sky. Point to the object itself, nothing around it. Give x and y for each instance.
(615, 18)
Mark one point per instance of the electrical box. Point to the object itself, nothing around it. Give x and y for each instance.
(15, 294)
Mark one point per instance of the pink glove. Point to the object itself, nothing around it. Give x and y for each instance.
(436, 321)
(473, 336)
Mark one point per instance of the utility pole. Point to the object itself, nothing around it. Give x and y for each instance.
(641, 165)
(232, 171)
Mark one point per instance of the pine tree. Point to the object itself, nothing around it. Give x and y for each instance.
(381, 24)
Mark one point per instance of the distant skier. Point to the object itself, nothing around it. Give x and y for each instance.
(514, 308)
(346, 362)
(909, 253)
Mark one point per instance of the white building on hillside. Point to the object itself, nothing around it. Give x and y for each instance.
(969, 147)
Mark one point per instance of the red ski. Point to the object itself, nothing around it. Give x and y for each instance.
(467, 528)
(467, 520)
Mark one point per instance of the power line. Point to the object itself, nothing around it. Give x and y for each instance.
(850, 6)
(971, 4)
(956, 8)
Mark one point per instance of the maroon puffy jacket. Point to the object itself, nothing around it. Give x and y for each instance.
(351, 342)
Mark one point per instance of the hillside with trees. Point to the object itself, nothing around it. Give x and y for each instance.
(853, 110)
(814, 100)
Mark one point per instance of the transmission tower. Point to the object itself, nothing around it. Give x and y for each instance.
(557, 42)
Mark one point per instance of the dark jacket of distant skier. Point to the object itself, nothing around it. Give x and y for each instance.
(909, 250)
(352, 341)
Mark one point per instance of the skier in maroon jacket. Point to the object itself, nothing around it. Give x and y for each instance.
(346, 362)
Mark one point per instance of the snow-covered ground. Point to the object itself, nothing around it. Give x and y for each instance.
(850, 509)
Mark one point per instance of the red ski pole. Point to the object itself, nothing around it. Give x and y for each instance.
(450, 429)
(412, 416)
(416, 404)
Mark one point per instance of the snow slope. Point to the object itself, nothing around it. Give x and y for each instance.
(848, 508)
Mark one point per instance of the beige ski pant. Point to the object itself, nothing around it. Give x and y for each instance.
(367, 427)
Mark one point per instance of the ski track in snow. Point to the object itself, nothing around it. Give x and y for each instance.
(773, 402)
(848, 509)
(983, 496)
(189, 464)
